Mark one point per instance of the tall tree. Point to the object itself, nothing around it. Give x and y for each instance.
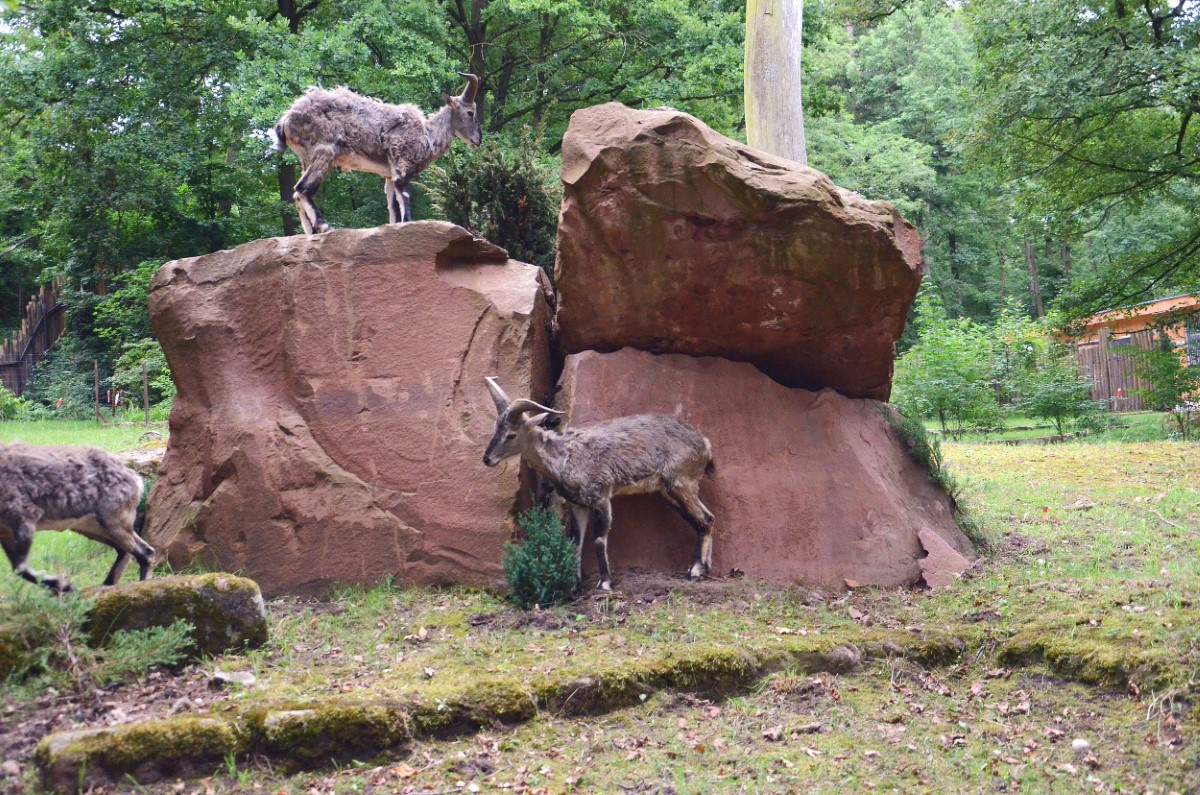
(774, 78)
(1095, 106)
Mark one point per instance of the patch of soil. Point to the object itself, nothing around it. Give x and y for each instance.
(1015, 547)
(636, 591)
(158, 694)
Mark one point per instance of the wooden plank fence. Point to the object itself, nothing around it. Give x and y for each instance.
(42, 325)
(1110, 364)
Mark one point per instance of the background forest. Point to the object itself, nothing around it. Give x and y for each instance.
(1047, 151)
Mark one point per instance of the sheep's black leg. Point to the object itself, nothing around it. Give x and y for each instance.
(395, 210)
(400, 177)
(579, 520)
(142, 554)
(17, 548)
(603, 516)
(118, 567)
(318, 165)
(701, 519)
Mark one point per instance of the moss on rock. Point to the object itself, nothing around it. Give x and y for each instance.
(227, 612)
(148, 751)
(331, 731)
(1088, 657)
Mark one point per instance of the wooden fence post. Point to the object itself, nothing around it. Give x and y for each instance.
(96, 390)
(146, 392)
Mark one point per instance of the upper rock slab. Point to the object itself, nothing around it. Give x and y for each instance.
(675, 239)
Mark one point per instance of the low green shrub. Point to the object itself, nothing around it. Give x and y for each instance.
(45, 643)
(542, 570)
(10, 405)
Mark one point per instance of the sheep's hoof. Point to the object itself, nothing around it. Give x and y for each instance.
(323, 228)
(697, 571)
(605, 585)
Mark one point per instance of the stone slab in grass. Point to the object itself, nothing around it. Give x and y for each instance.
(226, 611)
(77, 761)
(312, 733)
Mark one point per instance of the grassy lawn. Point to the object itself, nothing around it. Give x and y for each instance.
(1081, 625)
(115, 437)
(1134, 426)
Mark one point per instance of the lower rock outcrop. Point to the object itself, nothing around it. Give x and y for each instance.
(809, 486)
(331, 411)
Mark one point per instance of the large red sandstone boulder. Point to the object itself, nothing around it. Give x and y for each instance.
(332, 414)
(675, 239)
(809, 487)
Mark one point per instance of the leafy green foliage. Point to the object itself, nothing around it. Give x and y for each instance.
(1089, 108)
(64, 381)
(127, 374)
(1174, 386)
(505, 191)
(10, 405)
(1053, 389)
(542, 570)
(948, 373)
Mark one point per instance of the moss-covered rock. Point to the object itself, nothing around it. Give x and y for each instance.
(331, 731)
(1089, 659)
(74, 761)
(227, 612)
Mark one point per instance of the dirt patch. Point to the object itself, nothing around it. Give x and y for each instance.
(1015, 547)
(159, 694)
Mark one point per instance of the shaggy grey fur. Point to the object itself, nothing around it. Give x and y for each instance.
(84, 489)
(338, 128)
(591, 464)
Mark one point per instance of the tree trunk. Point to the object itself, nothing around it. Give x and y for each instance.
(1035, 284)
(1064, 253)
(774, 110)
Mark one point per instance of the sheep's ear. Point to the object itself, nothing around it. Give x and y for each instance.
(446, 98)
(537, 419)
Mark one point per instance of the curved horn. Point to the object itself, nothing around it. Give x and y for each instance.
(498, 397)
(468, 94)
(525, 405)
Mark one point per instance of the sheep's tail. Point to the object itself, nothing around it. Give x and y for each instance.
(280, 137)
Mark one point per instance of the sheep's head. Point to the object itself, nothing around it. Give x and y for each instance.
(466, 124)
(515, 421)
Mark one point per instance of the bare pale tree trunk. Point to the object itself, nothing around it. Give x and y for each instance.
(1035, 284)
(774, 111)
(294, 15)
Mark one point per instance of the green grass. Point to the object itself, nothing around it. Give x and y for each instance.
(113, 437)
(1136, 426)
(1085, 623)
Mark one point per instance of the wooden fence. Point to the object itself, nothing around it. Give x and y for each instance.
(40, 329)
(1110, 364)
